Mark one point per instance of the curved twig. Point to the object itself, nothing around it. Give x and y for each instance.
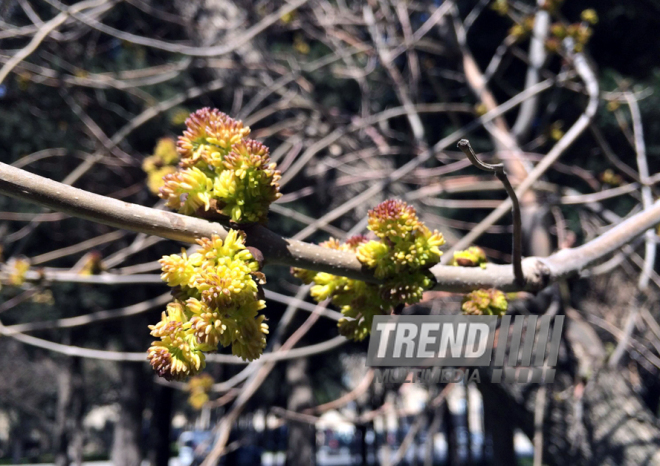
(498, 170)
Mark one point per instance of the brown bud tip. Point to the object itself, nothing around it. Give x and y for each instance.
(259, 277)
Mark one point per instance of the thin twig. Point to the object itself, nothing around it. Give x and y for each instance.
(498, 170)
(591, 83)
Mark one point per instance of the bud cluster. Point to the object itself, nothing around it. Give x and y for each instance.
(401, 255)
(199, 387)
(485, 302)
(18, 268)
(471, 257)
(221, 171)
(217, 302)
(163, 162)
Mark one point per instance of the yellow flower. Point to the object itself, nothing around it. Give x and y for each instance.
(93, 264)
(248, 184)
(17, 270)
(178, 270)
(217, 304)
(187, 190)
(404, 250)
(206, 323)
(376, 255)
(173, 362)
(232, 246)
(176, 355)
(251, 339)
(161, 163)
(501, 7)
(209, 135)
(485, 302)
(179, 116)
(155, 178)
(407, 288)
(393, 220)
(471, 257)
(197, 400)
(558, 30)
(201, 382)
(590, 16)
(325, 285)
(223, 133)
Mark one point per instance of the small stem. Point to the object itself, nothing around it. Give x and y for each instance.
(498, 170)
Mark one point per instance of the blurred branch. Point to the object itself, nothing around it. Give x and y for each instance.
(43, 32)
(107, 355)
(212, 51)
(586, 73)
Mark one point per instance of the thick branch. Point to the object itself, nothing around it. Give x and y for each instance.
(538, 272)
(23, 185)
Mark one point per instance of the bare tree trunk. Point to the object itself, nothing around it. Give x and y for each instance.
(128, 429)
(498, 429)
(301, 447)
(76, 430)
(362, 429)
(452, 439)
(429, 448)
(602, 422)
(160, 430)
(64, 389)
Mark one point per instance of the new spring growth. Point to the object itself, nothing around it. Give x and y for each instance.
(163, 162)
(485, 302)
(470, 257)
(18, 268)
(199, 387)
(479, 302)
(221, 171)
(401, 255)
(217, 302)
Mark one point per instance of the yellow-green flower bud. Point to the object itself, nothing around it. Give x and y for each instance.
(187, 190)
(471, 257)
(209, 135)
(485, 302)
(17, 270)
(217, 303)
(393, 220)
(590, 16)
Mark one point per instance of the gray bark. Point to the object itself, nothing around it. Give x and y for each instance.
(128, 428)
(301, 445)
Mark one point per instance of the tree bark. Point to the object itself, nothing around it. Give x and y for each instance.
(601, 422)
(452, 438)
(128, 428)
(64, 389)
(160, 430)
(498, 428)
(301, 445)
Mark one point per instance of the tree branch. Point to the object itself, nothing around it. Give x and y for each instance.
(498, 170)
(538, 272)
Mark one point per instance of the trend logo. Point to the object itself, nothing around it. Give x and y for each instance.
(519, 348)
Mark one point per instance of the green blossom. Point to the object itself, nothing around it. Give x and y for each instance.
(485, 302)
